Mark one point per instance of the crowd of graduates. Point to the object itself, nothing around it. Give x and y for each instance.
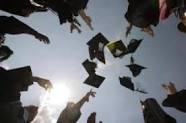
(140, 13)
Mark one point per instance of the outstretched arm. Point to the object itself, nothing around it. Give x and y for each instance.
(86, 18)
(85, 99)
(11, 25)
(43, 82)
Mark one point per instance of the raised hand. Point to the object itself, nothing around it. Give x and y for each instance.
(74, 27)
(42, 38)
(170, 88)
(90, 93)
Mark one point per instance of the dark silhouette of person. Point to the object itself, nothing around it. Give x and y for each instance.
(11, 25)
(5, 53)
(92, 118)
(142, 14)
(175, 99)
(147, 13)
(20, 7)
(68, 10)
(72, 113)
(153, 113)
(12, 83)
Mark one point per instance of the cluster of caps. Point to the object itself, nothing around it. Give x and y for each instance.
(117, 49)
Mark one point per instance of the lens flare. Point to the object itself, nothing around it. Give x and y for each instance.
(58, 95)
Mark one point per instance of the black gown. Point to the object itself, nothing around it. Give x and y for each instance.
(177, 101)
(143, 13)
(12, 82)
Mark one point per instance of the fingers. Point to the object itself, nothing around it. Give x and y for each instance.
(73, 26)
(170, 88)
(43, 38)
(92, 93)
(164, 86)
(171, 84)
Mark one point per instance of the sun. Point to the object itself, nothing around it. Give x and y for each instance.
(59, 94)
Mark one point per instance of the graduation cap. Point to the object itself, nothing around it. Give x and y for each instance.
(127, 82)
(135, 68)
(118, 48)
(133, 45)
(94, 80)
(96, 47)
(23, 74)
(89, 66)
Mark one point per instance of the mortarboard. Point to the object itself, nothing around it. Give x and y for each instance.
(94, 80)
(118, 48)
(21, 75)
(135, 68)
(89, 66)
(127, 82)
(133, 45)
(96, 47)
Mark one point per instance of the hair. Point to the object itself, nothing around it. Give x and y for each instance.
(181, 27)
(8, 52)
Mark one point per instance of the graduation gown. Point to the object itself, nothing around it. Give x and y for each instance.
(12, 82)
(153, 113)
(143, 13)
(177, 100)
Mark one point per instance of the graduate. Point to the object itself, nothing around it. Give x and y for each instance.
(68, 10)
(147, 13)
(12, 83)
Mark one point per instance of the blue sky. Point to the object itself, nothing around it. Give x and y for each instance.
(164, 55)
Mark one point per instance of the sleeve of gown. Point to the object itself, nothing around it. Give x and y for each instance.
(177, 101)
(11, 25)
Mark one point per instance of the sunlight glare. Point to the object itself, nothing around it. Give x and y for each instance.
(60, 94)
